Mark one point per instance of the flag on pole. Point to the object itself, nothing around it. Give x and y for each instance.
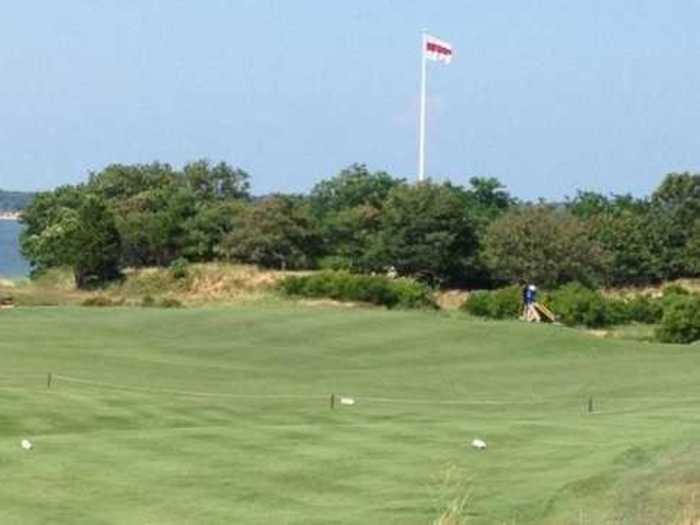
(437, 50)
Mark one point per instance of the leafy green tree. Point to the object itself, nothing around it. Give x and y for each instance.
(348, 208)
(487, 198)
(681, 192)
(219, 182)
(206, 229)
(588, 204)
(347, 235)
(424, 231)
(543, 245)
(83, 236)
(161, 213)
(692, 249)
(635, 244)
(152, 225)
(43, 212)
(354, 186)
(276, 232)
(118, 182)
(637, 233)
(677, 200)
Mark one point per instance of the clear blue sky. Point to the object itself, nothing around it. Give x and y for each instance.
(548, 96)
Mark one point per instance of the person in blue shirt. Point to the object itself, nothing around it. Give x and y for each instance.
(530, 294)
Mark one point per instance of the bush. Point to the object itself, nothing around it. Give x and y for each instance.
(681, 320)
(500, 304)
(335, 263)
(678, 311)
(179, 268)
(573, 304)
(169, 302)
(576, 305)
(148, 301)
(373, 289)
(644, 309)
(674, 289)
(478, 303)
(98, 301)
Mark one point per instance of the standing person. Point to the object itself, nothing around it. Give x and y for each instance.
(531, 299)
(526, 292)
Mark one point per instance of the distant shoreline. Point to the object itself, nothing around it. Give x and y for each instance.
(10, 216)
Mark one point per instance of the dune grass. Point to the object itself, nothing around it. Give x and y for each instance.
(203, 284)
(221, 415)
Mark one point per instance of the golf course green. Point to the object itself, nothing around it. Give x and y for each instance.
(222, 415)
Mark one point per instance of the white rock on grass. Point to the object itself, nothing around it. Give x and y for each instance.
(26, 444)
(479, 444)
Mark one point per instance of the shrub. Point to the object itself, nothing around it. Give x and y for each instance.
(373, 289)
(681, 320)
(573, 304)
(500, 304)
(169, 302)
(335, 263)
(148, 301)
(179, 268)
(576, 305)
(98, 301)
(672, 294)
(644, 309)
(478, 303)
(506, 302)
(674, 289)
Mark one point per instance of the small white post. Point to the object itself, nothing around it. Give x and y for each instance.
(421, 140)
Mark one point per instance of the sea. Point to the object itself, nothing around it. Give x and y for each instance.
(12, 265)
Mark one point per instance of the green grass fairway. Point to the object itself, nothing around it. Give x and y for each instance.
(222, 416)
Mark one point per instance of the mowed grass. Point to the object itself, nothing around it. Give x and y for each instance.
(222, 416)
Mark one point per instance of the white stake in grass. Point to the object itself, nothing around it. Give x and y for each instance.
(347, 401)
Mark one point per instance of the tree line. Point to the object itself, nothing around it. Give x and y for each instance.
(362, 221)
(14, 201)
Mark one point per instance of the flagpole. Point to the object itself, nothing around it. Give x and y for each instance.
(421, 140)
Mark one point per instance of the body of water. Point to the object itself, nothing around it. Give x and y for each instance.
(11, 262)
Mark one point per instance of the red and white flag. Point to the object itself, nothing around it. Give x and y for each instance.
(436, 49)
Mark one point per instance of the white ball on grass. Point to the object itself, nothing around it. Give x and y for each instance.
(26, 444)
(479, 444)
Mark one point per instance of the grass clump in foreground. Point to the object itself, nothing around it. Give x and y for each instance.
(373, 289)
(221, 416)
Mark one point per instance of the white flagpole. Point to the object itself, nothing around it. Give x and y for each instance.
(421, 141)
